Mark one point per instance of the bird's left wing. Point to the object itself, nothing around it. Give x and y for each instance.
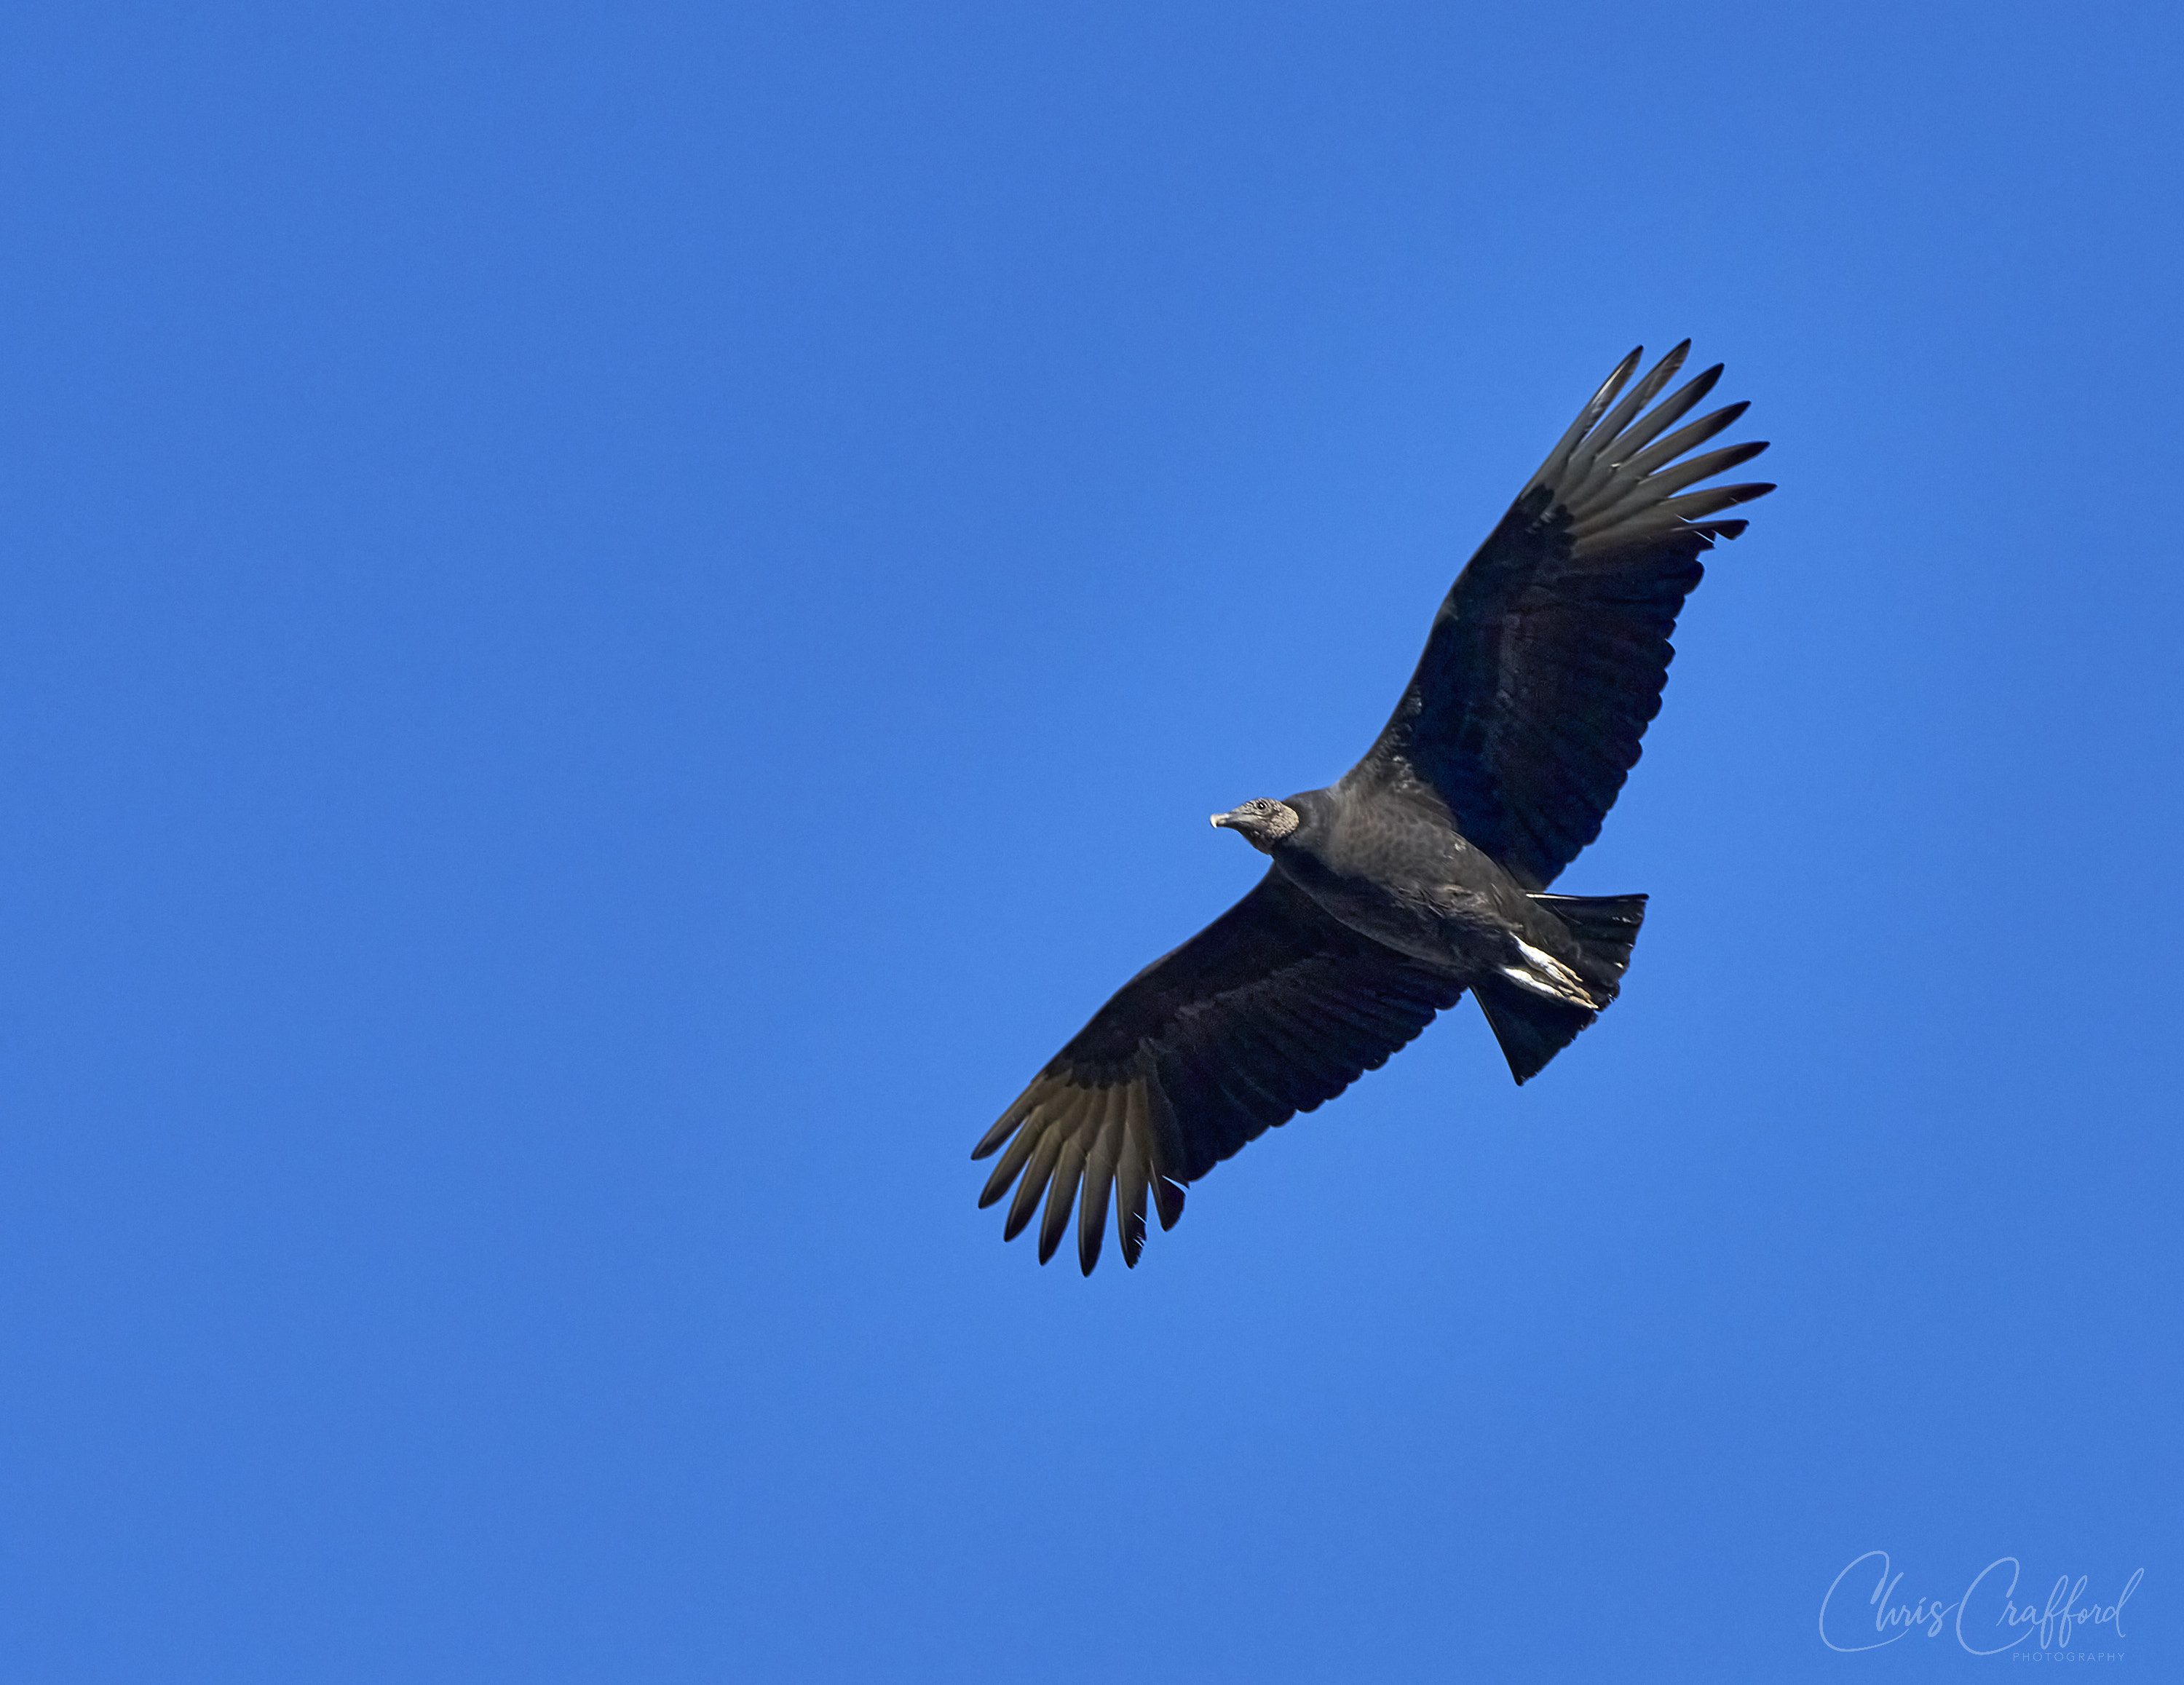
(1546, 660)
(1270, 1010)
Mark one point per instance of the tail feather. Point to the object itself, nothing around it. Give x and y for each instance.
(1606, 927)
(1532, 1028)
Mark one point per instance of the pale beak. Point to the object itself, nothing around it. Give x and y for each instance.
(1223, 819)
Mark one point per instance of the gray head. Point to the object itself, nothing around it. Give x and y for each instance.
(1262, 823)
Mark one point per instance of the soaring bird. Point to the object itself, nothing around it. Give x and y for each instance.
(1423, 872)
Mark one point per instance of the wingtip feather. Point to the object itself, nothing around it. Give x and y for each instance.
(1060, 1196)
(1035, 1179)
(1594, 408)
(1099, 1182)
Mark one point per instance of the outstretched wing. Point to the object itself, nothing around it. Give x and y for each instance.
(1547, 659)
(1270, 1010)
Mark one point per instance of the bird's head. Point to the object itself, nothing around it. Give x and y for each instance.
(1262, 823)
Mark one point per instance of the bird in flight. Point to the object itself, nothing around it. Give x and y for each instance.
(1423, 872)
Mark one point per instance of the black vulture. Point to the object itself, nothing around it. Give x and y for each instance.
(1423, 872)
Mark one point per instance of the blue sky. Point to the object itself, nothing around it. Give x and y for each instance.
(619, 617)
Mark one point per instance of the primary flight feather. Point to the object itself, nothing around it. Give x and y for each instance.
(1422, 873)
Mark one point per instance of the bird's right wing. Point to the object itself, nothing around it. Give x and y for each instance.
(1270, 1010)
(1546, 660)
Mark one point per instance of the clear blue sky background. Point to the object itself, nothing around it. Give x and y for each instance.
(618, 618)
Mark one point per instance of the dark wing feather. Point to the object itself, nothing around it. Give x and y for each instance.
(1548, 657)
(1272, 1010)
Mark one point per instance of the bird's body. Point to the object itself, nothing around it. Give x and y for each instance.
(1422, 874)
(1392, 866)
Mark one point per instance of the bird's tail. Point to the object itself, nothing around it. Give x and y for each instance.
(1606, 927)
(1533, 1027)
